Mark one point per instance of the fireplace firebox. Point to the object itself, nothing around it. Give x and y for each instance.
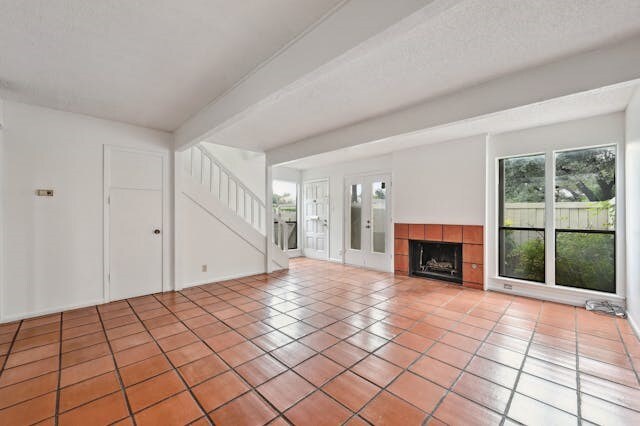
(437, 260)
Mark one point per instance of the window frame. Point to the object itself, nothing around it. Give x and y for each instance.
(501, 226)
(550, 216)
(616, 182)
(298, 193)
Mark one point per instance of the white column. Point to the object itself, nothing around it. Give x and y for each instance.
(268, 217)
(178, 224)
(2, 168)
(632, 234)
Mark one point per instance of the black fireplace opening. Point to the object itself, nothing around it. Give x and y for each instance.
(437, 260)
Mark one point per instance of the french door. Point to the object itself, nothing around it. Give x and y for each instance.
(368, 222)
(316, 219)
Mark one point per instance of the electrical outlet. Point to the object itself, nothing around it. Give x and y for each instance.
(204, 268)
(508, 287)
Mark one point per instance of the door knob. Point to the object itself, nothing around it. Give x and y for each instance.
(156, 231)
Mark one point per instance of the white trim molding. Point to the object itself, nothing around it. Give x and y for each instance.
(559, 294)
(167, 228)
(56, 309)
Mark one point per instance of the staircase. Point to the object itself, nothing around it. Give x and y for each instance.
(212, 186)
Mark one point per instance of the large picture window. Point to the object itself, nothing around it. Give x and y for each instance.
(522, 218)
(584, 212)
(585, 216)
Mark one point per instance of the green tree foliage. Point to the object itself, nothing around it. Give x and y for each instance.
(524, 179)
(525, 260)
(586, 261)
(279, 199)
(583, 260)
(586, 175)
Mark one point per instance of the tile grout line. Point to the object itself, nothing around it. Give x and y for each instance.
(578, 388)
(292, 369)
(325, 291)
(115, 368)
(58, 390)
(463, 369)
(90, 378)
(164, 354)
(519, 374)
(50, 372)
(13, 341)
(422, 354)
(231, 368)
(626, 350)
(530, 341)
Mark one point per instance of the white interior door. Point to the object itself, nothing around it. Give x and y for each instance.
(368, 222)
(135, 185)
(316, 219)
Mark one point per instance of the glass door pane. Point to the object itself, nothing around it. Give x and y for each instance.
(356, 217)
(285, 214)
(378, 225)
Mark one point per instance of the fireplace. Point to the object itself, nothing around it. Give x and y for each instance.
(437, 260)
(407, 236)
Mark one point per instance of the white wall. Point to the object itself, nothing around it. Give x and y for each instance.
(2, 203)
(248, 166)
(633, 210)
(440, 183)
(336, 174)
(205, 240)
(287, 174)
(423, 187)
(599, 130)
(54, 246)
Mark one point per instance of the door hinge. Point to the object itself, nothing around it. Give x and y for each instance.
(108, 199)
(108, 276)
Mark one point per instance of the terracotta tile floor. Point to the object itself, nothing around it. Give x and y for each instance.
(321, 344)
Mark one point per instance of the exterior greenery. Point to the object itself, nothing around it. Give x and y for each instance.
(526, 260)
(586, 260)
(584, 178)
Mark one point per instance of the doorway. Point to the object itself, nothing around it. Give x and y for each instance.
(316, 219)
(368, 222)
(135, 215)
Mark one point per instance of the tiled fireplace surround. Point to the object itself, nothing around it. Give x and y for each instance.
(471, 237)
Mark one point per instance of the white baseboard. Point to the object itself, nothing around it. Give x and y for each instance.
(221, 278)
(566, 296)
(294, 253)
(634, 325)
(47, 311)
(332, 259)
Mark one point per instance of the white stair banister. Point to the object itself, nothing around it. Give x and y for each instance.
(225, 186)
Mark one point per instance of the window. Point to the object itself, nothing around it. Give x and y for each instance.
(585, 216)
(356, 216)
(522, 218)
(582, 233)
(378, 216)
(285, 214)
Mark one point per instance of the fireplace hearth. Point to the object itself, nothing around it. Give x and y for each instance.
(437, 260)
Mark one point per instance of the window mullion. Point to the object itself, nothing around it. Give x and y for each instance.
(550, 235)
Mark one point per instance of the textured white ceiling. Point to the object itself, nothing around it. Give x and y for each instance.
(573, 107)
(148, 62)
(428, 55)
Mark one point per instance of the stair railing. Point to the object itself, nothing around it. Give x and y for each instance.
(223, 184)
